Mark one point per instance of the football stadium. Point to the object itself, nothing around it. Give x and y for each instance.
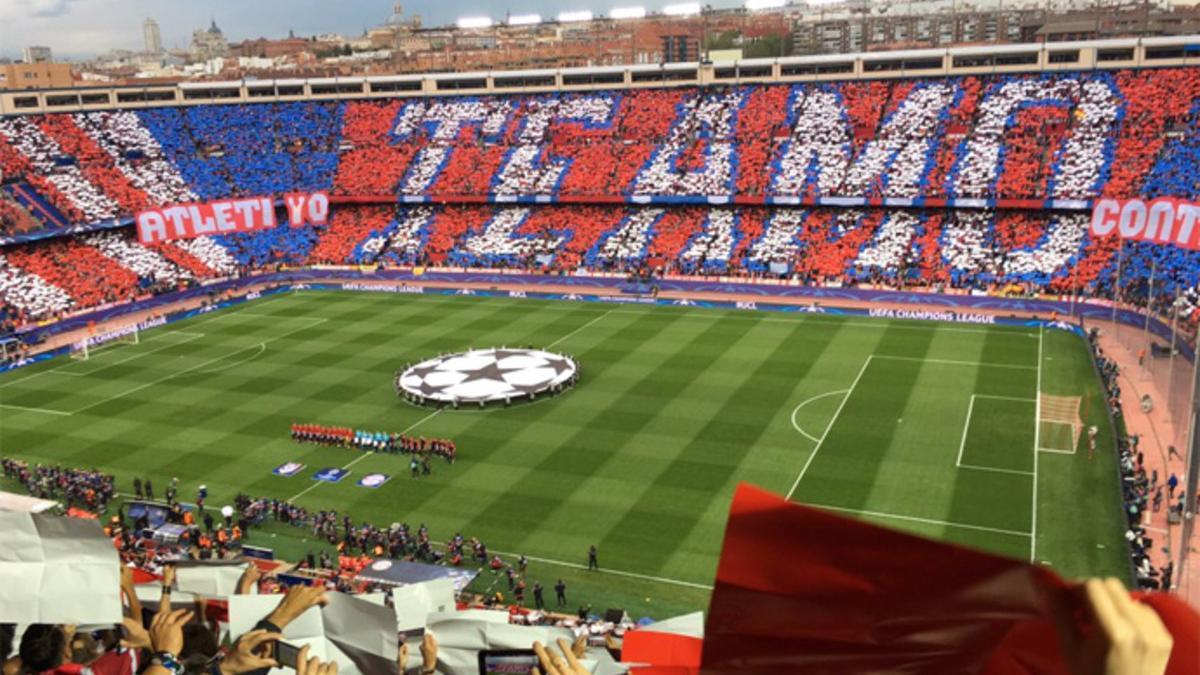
(864, 362)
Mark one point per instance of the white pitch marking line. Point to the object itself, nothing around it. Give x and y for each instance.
(59, 369)
(227, 312)
(1020, 399)
(221, 315)
(1037, 444)
(262, 316)
(29, 377)
(821, 441)
(62, 370)
(622, 573)
(950, 362)
(365, 455)
(899, 324)
(915, 519)
(1056, 451)
(1017, 472)
(806, 402)
(187, 370)
(306, 490)
(966, 428)
(577, 330)
(262, 347)
(146, 384)
(46, 411)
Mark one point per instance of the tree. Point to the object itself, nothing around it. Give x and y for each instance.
(769, 46)
(725, 40)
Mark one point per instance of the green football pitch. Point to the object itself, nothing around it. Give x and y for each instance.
(926, 427)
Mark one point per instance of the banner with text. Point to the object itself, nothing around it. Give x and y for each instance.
(226, 216)
(1164, 220)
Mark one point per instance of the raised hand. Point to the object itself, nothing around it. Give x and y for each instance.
(299, 599)
(1124, 637)
(313, 666)
(251, 652)
(166, 630)
(554, 664)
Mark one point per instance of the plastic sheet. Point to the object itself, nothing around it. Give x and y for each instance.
(800, 590)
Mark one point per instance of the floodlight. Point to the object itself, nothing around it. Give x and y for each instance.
(524, 19)
(627, 13)
(568, 17)
(755, 5)
(682, 9)
(475, 22)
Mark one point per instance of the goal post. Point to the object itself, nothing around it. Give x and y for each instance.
(1061, 423)
(82, 350)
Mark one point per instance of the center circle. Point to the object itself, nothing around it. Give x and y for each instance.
(482, 376)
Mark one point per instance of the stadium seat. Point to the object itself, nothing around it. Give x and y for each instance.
(1012, 142)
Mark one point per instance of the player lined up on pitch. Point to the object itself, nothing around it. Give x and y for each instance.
(375, 441)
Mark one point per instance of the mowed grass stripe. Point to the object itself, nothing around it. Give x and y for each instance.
(999, 435)
(274, 435)
(488, 469)
(1081, 519)
(915, 470)
(603, 497)
(847, 462)
(590, 448)
(990, 498)
(542, 324)
(549, 479)
(708, 465)
(219, 414)
(377, 408)
(154, 364)
(78, 395)
(504, 446)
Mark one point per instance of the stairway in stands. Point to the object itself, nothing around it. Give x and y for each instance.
(38, 207)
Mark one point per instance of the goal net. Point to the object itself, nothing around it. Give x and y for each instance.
(83, 350)
(1061, 423)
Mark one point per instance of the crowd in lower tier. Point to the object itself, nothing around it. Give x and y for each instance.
(1142, 492)
(957, 251)
(88, 489)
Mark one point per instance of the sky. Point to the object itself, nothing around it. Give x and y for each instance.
(83, 28)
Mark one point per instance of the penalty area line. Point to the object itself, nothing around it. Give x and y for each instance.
(262, 348)
(63, 370)
(198, 366)
(916, 519)
(953, 362)
(828, 427)
(44, 411)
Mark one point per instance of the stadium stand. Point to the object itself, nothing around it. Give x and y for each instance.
(1008, 140)
(185, 630)
(14, 217)
(956, 248)
(976, 183)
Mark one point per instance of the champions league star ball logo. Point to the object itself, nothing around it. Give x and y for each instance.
(486, 375)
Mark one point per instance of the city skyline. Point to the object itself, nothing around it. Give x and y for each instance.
(78, 29)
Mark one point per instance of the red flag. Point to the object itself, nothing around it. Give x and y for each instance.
(800, 590)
